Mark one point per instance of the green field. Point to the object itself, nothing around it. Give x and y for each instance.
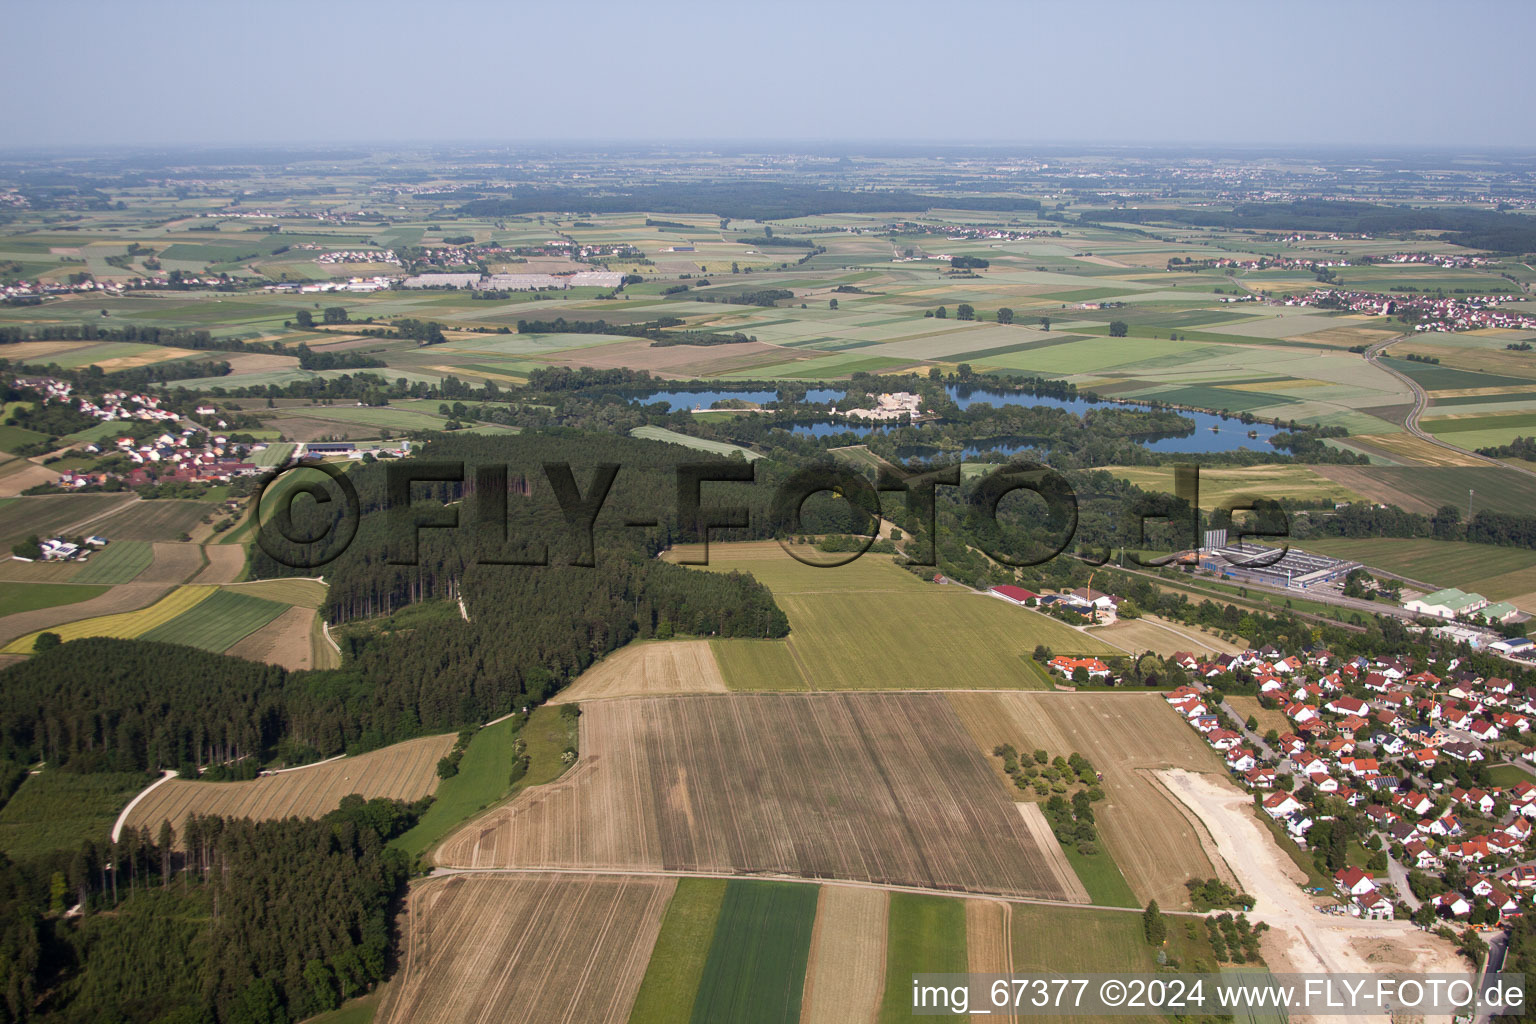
(677, 961)
(57, 810)
(217, 623)
(162, 519)
(1426, 488)
(926, 935)
(758, 665)
(485, 773)
(1497, 573)
(755, 971)
(1433, 377)
(871, 625)
(12, 437)
(47, 515)
(33, 596)
(1101, 876)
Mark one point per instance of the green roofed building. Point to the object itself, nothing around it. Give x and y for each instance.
(1447, 603)
(1499, 611)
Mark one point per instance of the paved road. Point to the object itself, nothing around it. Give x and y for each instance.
(1398, 876)
(1421, 402)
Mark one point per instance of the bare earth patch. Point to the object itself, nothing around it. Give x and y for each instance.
(225, 563)
(1302, 939)
(648, 668)
(284, 641)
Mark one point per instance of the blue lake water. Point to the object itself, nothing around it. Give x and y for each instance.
(1212, 433)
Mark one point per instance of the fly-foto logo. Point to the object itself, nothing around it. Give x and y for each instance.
(333, 531)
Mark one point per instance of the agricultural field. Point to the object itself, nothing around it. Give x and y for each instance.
(45, 595)
(677, 961)
(755, 970)
(58, 810)
(1423, 489)
(927, 934)
(697, 443)
(1155, 844)
(871, 625)
(48, 515)
(710, 783)
(403, 771)
(845, 978)
(1220, 484)
(1498, 573)
(118, 562)
(1151, 633)
(290, 640)
(525, 947)
(125, 625)
(218, 622)
(162, 519)
(647, 668)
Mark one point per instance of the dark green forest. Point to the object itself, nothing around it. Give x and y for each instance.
(234, 922)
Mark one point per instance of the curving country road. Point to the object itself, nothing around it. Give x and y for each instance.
(1421, 402)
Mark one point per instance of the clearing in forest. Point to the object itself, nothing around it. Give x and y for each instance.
(403, 771)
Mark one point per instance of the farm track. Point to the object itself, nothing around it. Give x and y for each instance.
(1031, 901)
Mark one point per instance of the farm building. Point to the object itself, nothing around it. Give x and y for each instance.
(1015, 595)
(317, 448)
(1446, 604)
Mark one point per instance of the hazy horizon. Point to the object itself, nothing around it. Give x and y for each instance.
(1111, 73)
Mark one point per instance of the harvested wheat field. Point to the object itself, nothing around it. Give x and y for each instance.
(403, 771)
(1045, 839)
(536, 948)
(873, 787)
(1157, 844)
(647, 668)
(1150, 633)
(989, 944)
(225, 563)
(845, 977)
(174, 563)
(284, 641)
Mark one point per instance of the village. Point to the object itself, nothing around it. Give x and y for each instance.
(1393, 756)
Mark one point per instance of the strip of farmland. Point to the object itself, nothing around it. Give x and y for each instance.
(525, 948)
(403, 771)
(872, 787)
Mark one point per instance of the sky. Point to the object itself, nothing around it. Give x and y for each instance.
(1356, 72)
